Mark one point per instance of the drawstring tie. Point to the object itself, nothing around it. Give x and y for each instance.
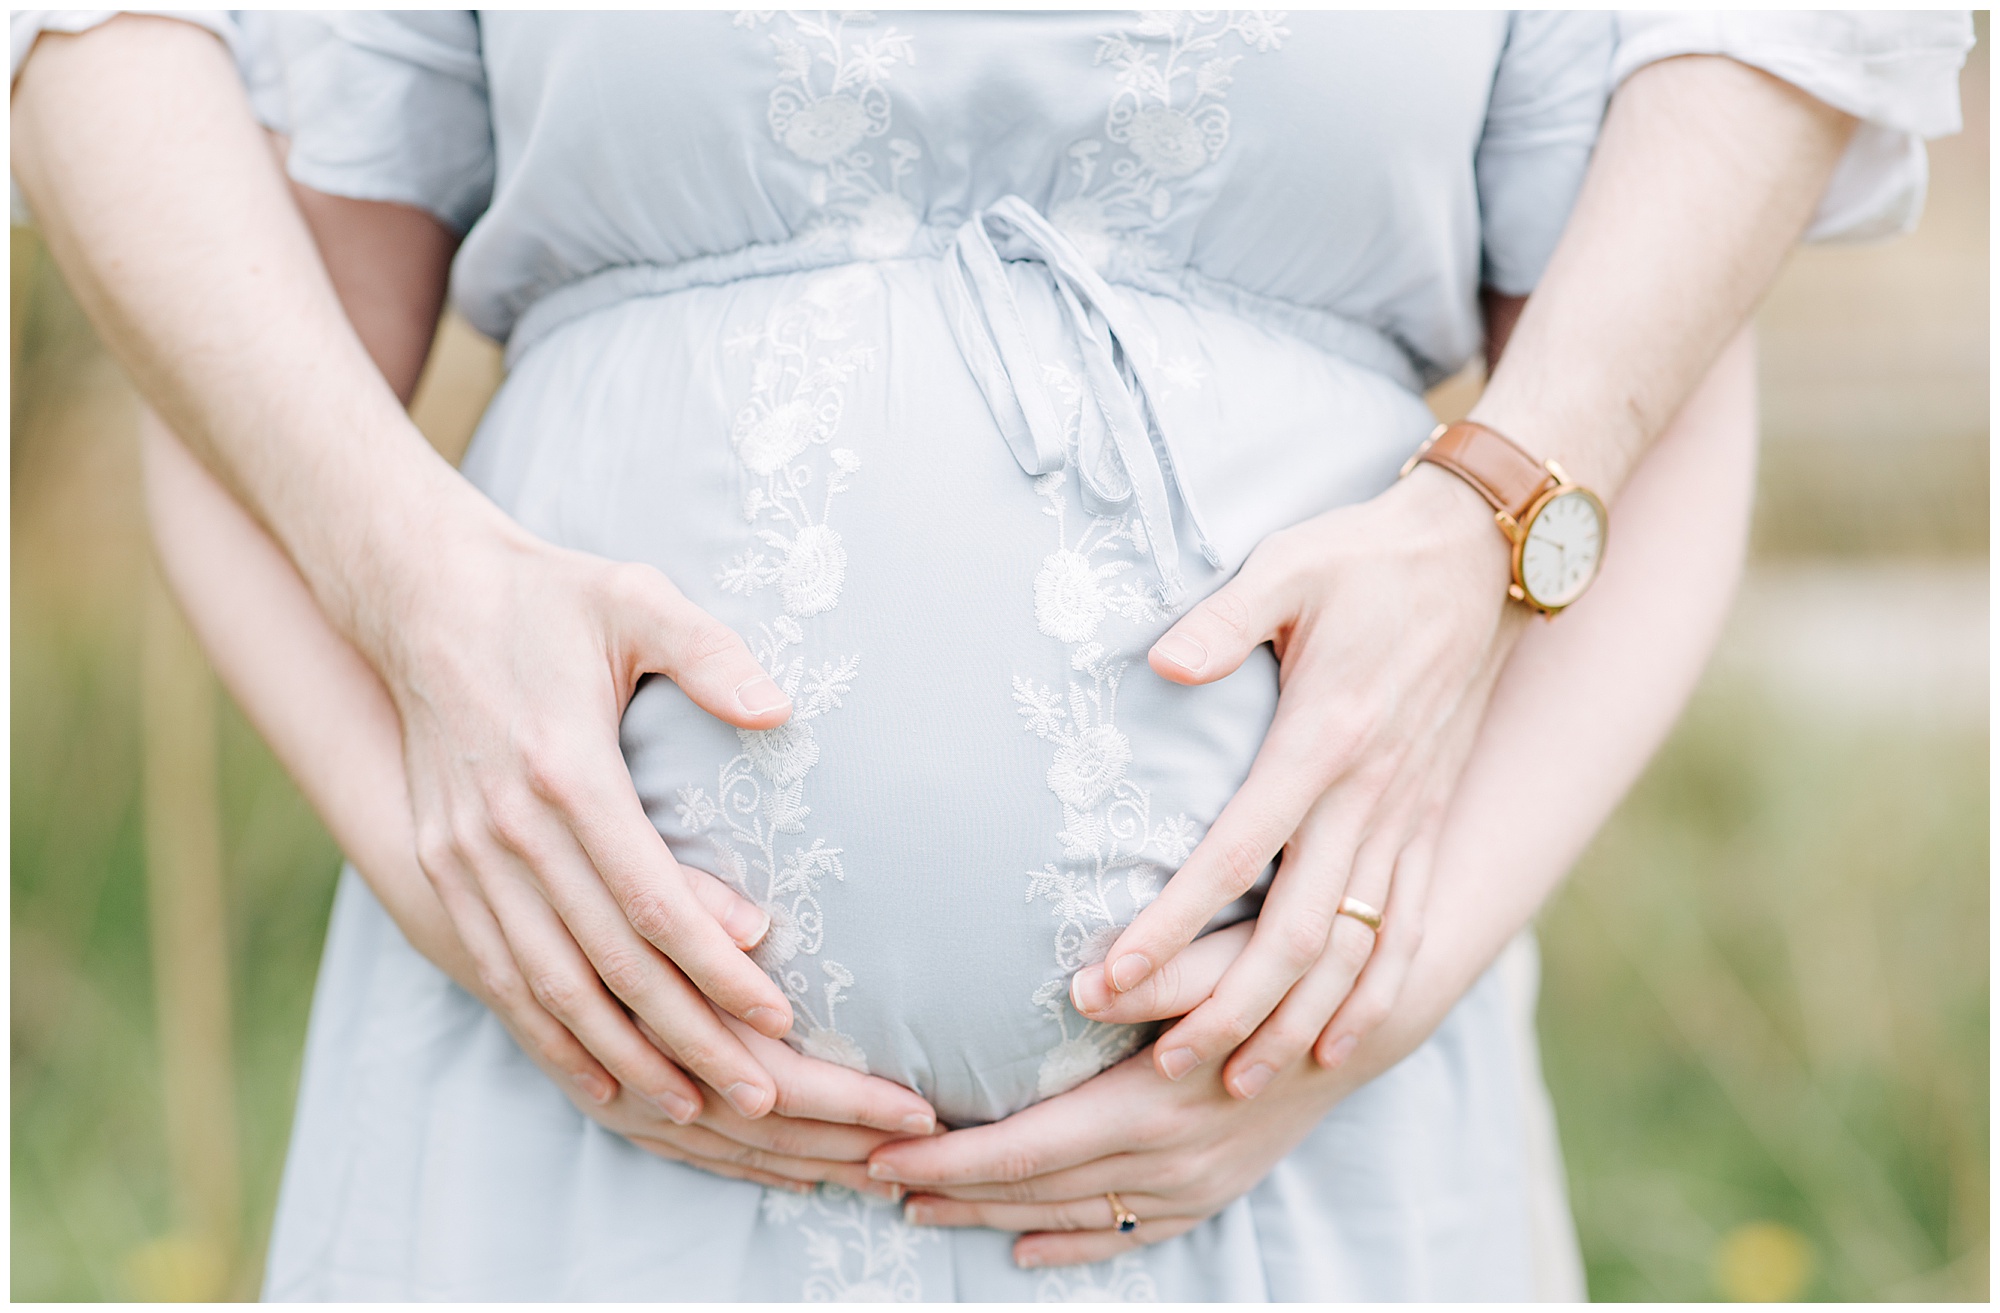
(1121, 458)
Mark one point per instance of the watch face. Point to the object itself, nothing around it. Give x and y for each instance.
(1564, 545)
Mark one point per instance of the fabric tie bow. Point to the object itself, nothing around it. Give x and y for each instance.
(1122, 453)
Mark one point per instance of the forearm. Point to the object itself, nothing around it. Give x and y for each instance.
(1584, 703)
(308, 692)
(161, 203)
(1704, 176)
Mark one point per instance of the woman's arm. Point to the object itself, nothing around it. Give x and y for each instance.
(509, 661)
(1580, 709)
(1390, 619)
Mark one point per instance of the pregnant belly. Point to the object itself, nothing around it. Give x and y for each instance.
(982, 780)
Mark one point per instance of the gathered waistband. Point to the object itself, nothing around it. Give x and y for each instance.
(1111, 430)
(1338, 335)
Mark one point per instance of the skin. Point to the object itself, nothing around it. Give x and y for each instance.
(508, 662)
(1703, 178)
(1580, 708)
(335, 561)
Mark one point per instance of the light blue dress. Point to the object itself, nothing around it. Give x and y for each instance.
(948, 358)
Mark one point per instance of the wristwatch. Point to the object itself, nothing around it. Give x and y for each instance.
(1556, 525)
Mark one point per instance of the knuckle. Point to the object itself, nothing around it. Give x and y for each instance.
(1352, 947)
(437, 851)
(1303, 939)
(1228, 611)
(548, 770)
(626, 972)
(1242, 861)
(1016, 1168)
(704, 639)
(1229, 1028)
(556, 991)
(651, 915)
(510, 815)
(502, 985)
(629, 586)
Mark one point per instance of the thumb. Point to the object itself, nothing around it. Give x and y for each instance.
(664, 633)
(1225, 628)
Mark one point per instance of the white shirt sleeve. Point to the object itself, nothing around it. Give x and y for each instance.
(244, 33)
(1896, 72)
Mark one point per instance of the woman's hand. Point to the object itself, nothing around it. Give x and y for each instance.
(1176, 1153)
(1380, 698)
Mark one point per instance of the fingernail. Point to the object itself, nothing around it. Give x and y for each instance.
(769, 1021)
(594, 1087)
(916, 1215)
(919, 1123)
(1338, 1053)
(882, 1172)
(1088, 991)
(746, 1098)
(1178, 1062)
(760, 695)
(1251, 1082)
(1128, 971)
(893, 1193)
(679, 1110)
(747, 925)
(1183, 652)
(1028, 1260)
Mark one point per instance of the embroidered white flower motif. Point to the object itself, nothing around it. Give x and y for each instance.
(782, 942)
(802, 359)
(831, 101)
(1169, 116)
(1123, 1280)
(857, 1249)
(825, 129)
(1068, 1065)
(832, 1046)
(694, 809)
(1177, 838)
(1087, 766)
(767, 438)
(1167, 141)
(882, 228)
(785, 753)
(815, 566)
(1069, 597)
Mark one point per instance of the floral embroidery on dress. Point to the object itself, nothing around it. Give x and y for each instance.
(830, 102)
(1112, 850)
(802, 362)
(857, 1248)
(1122, 1280)
(1166, 122)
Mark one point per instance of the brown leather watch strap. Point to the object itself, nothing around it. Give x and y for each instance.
(1507, 477)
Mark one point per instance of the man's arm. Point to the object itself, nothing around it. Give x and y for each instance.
(509, 661)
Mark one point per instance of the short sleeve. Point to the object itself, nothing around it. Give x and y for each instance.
(1896, 72)
(391, 107)
(26, 26)
(1542, 117)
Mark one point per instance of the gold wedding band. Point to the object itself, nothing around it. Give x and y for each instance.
(1361, 912)
(1126, 1219)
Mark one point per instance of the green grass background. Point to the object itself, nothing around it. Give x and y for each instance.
(1765, 993)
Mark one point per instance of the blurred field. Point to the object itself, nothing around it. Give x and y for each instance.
(1765, 997)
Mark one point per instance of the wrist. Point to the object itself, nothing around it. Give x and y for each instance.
(398, 545)
(1452, 514)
